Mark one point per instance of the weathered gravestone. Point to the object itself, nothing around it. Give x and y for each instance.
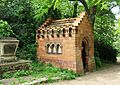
(8, 59)
(8, 47)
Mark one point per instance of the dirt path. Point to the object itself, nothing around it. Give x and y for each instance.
(107, 76)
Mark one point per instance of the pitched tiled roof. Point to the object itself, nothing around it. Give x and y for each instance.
(65, 27)
(56, 24)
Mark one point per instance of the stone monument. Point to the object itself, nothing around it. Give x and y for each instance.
(8, 60)
(8, 47)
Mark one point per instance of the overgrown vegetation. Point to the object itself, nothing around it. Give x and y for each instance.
(117, 42)
(40, 70)
(5, 29)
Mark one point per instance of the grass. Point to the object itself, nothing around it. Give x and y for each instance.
(40, 70)
(1, 83)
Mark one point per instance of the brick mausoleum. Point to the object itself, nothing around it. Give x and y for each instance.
(67, 43)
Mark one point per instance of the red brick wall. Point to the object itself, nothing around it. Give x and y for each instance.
(71, 57)
(66, 59)
(85, 30)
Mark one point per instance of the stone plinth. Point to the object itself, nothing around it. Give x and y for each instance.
(14, 66)
(8, 47)
(8, 60)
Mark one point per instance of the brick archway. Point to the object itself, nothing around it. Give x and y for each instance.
(85, 54)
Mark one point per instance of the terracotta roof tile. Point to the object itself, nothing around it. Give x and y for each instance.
(50, 23)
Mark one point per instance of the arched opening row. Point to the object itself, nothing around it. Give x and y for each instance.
(63, 31)
(54, 49)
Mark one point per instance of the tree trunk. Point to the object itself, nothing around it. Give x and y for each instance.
(75, 9)
(90, 11)
(85, 6)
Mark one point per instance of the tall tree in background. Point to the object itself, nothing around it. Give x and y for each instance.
(18, 13)
(25, 16)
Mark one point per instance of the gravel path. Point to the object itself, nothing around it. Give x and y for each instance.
(107, 76)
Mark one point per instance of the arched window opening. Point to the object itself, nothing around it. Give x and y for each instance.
(38, 36)
(48, 32)
(48, 48)
(58, 49)
(85, 53)
(70, 32)
(76, 30)
(47, 36)
(43, 36)
(39, 32)
(64, 31)
(53, 50)
(52, 31)
(58, 35)
(43, 32)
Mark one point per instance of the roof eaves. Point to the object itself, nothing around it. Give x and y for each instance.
(79, 19)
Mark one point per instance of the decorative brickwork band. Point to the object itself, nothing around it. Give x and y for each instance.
(64, 27)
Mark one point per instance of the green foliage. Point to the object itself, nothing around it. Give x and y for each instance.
(98, 62)
(97, 59)
(104, 29)
(28, 52)
(20, 16)
(17, 74)
(117, 32)
(40, 70)
(5, 29)
(44, 10)
(64, 9)
(1, 83)
(107, 53)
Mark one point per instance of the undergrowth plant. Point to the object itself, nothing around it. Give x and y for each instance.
(40, 70)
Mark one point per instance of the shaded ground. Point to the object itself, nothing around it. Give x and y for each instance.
(107, 76)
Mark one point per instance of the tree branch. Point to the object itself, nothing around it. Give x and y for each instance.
(85, 5)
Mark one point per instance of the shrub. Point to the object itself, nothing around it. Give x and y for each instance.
(40, 70)
(105, 52)
(27, 52)
(98, 62)
(5, 29)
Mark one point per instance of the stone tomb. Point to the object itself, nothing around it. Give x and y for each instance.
(8, 60)
(8, 47)
(67, 43)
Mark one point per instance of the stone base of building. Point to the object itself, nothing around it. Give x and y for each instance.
(8, 59)
(14, 66)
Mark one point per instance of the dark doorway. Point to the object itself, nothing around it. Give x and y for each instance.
(84, 58)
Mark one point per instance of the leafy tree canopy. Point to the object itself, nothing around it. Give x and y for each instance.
(25, 16)
(5, 29)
